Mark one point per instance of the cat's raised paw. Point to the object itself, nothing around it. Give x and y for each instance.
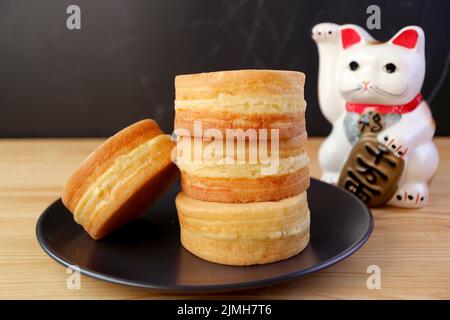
(410, 196)
(326, 32)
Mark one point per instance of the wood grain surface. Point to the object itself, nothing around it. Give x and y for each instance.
(411, 247)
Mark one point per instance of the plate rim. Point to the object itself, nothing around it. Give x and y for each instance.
(234, 286)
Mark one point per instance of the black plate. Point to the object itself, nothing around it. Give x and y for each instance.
(147, 252)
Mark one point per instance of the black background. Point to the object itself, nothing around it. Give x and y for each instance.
(120, 66)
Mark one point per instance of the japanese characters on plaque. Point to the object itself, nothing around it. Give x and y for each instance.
(371, 172)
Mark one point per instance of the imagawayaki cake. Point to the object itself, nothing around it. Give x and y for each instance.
(120, 179)
(269, 178)
(235, 209)
(242, 99)
(244, 233)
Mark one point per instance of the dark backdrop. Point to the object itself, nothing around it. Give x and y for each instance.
(121, 65)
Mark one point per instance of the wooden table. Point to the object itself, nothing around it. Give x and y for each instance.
(411, 247)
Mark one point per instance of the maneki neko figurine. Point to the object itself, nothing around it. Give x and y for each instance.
(380, 147)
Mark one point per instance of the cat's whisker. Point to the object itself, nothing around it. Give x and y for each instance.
(352, 90)
(383, 92)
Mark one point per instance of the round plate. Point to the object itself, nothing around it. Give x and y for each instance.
(147, 252)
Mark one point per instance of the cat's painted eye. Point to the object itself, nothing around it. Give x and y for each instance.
(390, 68)
(353, 65)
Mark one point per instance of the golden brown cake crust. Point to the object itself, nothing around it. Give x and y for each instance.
(289, 125)
(135, 204)
(234, 190)
(239, 82)
(103, 157)
(244, 252)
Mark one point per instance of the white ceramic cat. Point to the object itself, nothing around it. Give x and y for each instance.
(355, 73)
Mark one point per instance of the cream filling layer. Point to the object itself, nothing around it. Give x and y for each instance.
(244, 104)
(233, 169)
(258, 231)
(124, 168)
(195, 148)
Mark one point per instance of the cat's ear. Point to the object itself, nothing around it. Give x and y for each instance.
(350, 36)
(411, 37)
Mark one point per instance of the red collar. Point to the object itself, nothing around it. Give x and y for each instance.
(385, 109)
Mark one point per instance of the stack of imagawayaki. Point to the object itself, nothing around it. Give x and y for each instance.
(241, 150)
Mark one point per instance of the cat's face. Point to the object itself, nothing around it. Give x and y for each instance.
(381, 73)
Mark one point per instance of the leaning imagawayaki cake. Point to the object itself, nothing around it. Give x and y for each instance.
(120, 179)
